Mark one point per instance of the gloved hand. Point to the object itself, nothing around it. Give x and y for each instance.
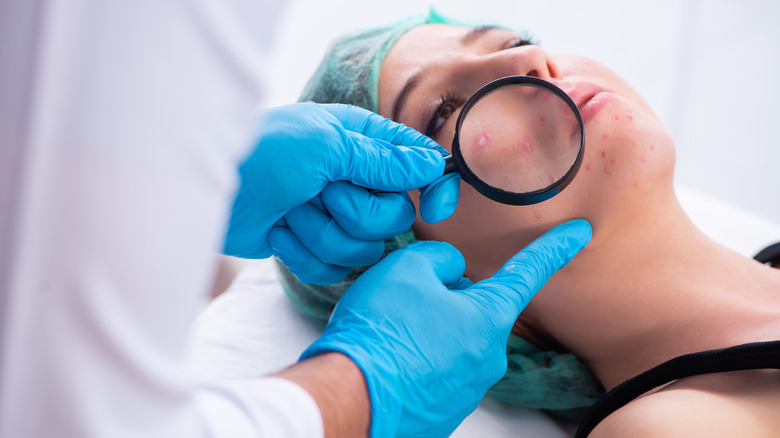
(305, 197)
(429, 342)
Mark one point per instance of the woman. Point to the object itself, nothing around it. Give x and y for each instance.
(649, 287)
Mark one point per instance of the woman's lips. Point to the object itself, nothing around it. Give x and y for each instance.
(589, 98)
(593, 106)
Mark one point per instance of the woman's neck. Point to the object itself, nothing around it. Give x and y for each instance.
(652, 288)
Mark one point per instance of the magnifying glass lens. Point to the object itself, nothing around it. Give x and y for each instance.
(520, 138)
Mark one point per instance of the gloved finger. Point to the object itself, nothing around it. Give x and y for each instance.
(373, 125)
(327, 241)
(247, 237)
(463, 283)
(365, 215)
(379, 165)
(301, 262)
(317, 202)
(513, 286)
(447, 262)
(439, 199)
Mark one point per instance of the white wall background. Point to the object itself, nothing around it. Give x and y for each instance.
(710, 69)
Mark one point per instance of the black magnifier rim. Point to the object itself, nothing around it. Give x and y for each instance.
(505, 196)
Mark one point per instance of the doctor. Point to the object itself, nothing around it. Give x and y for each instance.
(122, 126)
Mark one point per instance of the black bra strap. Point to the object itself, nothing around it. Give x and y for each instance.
(759, 355)
(770, 254)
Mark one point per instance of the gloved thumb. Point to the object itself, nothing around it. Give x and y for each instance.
(437, 258)
(513, 286)
(439, 199)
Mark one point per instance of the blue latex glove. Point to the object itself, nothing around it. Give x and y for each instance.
(430, 343)
(305, 197)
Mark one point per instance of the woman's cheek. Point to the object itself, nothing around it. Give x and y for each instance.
(625, 141)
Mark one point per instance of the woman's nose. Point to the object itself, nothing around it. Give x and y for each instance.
(527, 60)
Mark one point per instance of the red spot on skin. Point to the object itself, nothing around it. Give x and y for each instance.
(538, 216)
(604, 136)
(612, 161)
(636, 183)
(606, 170)
(617, 117)
(481, 140)
(525, 145)
(542, 119)
(652, 147)
(603, 154)
(644, 158)
(630, 117)
(587, 166)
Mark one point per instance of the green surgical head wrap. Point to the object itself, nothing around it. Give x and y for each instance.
(349, 73)
(555, 382)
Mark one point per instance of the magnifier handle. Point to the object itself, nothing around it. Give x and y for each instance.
(449, 165)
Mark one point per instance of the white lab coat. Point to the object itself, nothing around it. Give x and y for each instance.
(121, 127)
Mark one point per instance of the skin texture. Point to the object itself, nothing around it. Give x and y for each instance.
(650, 286)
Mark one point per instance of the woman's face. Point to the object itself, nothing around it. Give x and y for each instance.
(433, 69)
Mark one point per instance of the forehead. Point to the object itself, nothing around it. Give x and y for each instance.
(416, 50)
(421, 43)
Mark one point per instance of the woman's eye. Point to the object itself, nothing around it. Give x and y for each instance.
(443, 112)
(517, 42)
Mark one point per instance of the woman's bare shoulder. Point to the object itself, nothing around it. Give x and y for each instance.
(719, 409)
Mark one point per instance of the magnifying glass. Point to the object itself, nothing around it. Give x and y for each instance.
(518, 140)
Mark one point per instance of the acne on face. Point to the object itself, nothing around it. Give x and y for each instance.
(609, 160)
(524, 145)
(644, 157)
(489, 153)
(481, 140)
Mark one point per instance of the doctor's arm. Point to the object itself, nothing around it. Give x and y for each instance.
(338, 388)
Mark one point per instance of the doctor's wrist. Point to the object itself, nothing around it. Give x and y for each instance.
(339, 388)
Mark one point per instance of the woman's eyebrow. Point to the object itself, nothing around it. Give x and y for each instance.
(468, 38)
(475, 33)
(404, 94)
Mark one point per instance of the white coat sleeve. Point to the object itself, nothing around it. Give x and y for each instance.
(122, 125)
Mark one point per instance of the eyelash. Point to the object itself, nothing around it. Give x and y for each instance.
(452, 101)
(518, 43)
(447, 100)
